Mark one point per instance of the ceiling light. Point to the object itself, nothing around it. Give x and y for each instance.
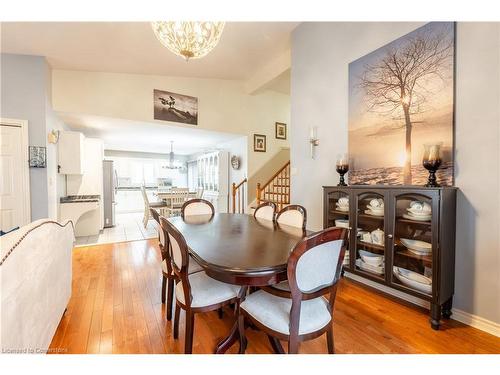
(191, 40)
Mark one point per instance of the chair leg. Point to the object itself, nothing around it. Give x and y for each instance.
(241, 331)
(330, 341)
(170, 298)
(293, 345)
(220, 312)
(176, 321)
(188, 340)
(163, 288)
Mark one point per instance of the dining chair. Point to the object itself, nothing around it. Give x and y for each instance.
(197, 206)
(293, 215)
(197, 292)
(177, 199)
(199, 192)
(313, 272)
(266, 211)
(148, 205)
(168, 276)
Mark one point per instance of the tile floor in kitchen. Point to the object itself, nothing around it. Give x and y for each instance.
(129, 227)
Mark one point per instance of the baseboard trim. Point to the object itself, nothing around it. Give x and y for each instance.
(472, 320)
(475, 321)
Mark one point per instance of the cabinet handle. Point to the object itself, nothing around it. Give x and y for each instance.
(389, 236)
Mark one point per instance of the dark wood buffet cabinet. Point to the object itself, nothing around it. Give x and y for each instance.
(400, 236)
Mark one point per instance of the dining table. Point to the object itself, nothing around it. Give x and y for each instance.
(241, 250)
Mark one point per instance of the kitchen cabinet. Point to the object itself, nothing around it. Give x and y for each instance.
(71, 152)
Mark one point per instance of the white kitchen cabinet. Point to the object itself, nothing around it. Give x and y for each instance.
(71, 152)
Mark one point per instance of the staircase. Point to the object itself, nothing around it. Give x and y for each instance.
(277, 189)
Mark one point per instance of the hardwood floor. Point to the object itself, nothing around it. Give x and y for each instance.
(116, 308)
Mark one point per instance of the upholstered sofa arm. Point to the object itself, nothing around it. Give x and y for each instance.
(35, 284)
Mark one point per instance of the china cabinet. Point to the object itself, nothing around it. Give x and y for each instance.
(400, 236)
(213, 178)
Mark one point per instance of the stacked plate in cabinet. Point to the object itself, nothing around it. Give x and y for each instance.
(417, 247)
(370, 262)
(413, 280)
(418, 211)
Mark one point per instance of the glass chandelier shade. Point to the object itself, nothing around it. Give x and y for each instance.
(191, 40)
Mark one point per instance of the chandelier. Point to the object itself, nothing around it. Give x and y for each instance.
(171, 161)
(191, 40)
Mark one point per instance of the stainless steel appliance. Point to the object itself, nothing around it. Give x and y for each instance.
(109, 180)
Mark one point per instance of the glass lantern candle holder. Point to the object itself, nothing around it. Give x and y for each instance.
(342, 167)
(432, 161)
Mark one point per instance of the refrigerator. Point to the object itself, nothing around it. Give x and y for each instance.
(109, 192)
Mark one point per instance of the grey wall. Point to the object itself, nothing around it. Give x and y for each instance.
(321, 53)
(26, 95)
(23, 87)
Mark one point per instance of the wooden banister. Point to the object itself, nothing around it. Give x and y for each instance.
(277, 188)
(239, 190)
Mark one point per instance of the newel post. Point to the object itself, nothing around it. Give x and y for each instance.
(258, 193)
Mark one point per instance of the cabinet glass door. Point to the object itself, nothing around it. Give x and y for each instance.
(413, 243)
(338, 214)
(369, 246)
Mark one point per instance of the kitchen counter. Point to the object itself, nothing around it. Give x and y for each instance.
(80, 198)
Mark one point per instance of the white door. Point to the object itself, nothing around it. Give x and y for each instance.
(14, 194)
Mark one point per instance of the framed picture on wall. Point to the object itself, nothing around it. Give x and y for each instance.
(259, 143)
(169, 106)
(280, 129)
(37, 157)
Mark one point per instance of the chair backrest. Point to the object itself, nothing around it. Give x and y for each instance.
(314, 268)
(315, 264)
(178, 197)
(145, 197)
(266, 211)
(161, 236)
(178, 256)
(293, 215)
(197, 207)
(199, 193)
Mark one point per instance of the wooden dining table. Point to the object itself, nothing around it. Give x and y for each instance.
(239, 249)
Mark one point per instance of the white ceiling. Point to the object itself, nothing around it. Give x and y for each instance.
(125, 135)
(131, 47)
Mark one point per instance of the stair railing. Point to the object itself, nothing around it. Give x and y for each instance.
(238, 193)
(277, 189)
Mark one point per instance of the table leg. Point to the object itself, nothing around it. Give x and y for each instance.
(234, 335)
(276, 345)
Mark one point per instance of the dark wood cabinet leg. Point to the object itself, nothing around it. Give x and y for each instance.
(435, 316)
(446, 309)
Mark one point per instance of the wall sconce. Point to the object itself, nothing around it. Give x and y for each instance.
(313, 140)
(53, 136)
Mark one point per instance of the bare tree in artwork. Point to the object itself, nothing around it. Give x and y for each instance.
(397, 85)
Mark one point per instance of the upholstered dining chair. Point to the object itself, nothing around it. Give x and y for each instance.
(266, 211)
(147, 205)
(197, 206)
(195, 293)
(168, 275)
(293, 215)
(313, 272)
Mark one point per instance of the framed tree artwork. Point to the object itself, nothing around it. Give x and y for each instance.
(280, 129)
(401, 98)
(259, 143)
